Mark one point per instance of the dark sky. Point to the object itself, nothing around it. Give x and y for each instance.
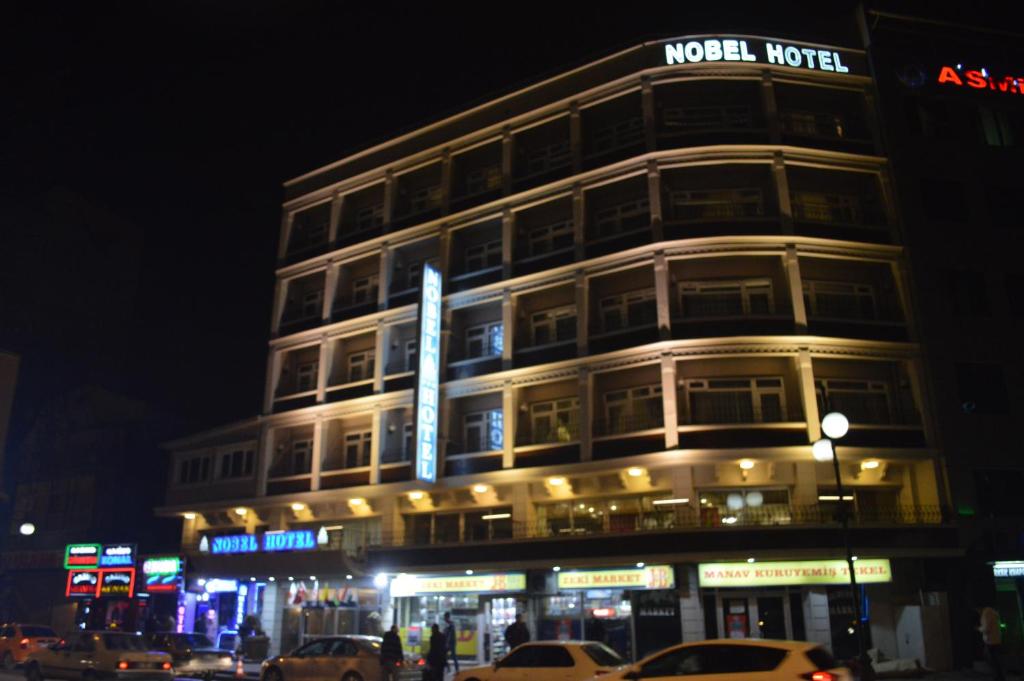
(144, 146)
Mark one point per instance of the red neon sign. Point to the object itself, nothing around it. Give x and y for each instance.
(97, 583)
(980, 80)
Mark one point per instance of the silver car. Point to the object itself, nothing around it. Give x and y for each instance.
(344, 658)
(193, 654)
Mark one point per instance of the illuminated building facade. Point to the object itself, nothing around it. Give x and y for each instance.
(658, 272)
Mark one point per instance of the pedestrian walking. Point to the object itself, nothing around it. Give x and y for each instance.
(391, 656)
(992, 635)
(451, 637)
(437, 654)
(516, 633)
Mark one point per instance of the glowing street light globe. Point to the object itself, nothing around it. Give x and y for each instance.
(835, 425)
(27, 529)
(822, 450)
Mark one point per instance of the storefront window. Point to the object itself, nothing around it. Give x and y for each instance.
(599, 516)
(601, 615)
(471, 526)
(745, 507)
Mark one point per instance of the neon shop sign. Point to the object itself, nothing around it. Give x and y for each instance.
(270, 542)
(980, 79)
(162, 574)
(428, 376)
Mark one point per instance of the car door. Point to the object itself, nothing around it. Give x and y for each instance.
(675, 663)
(344, 657)
(553, 663)
(517, 665)
(302, 665)
(74, 660)
(735, 662)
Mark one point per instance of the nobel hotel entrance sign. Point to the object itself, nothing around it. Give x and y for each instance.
(428, 375)
(792, 573)
(701, 49)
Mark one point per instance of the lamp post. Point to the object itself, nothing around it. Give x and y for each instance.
(835, 425)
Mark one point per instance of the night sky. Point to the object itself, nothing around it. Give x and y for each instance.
(144, 147)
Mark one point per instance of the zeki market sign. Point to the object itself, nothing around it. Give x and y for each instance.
(793, 573)
(413, 585)
(647, 577)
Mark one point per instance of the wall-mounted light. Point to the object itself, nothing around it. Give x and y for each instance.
(298, 507)
(188, 516)
(556, 481)
(670, 502)
(241, 512)
(356, 502)
(416, 495)
(557, 568)
(870, 464)
(481, 488)
(746, 464)
(634, 471)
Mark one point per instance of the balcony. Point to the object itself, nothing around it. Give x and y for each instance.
(837, 205)
(362, 215)
(719, 200)
(542, 154)
(308, 234)
(852, 300)
(827, 119)
(704, 113)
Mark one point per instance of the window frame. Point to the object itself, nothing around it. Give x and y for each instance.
(365, 286)
(488, 422)
(622, 302)
(756, 392)
(550, 410)
(490, 335)
(549, 319)
(706, 287)
(363, 441)
(811, 289)
(367, 358)
(479, 256)
(308, 372)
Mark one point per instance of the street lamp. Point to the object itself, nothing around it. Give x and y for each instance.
(835, 425)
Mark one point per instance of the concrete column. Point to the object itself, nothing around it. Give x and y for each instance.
(805, 491)
(446, 181)
(654, 200)
(668, 401)
(661, 295)
(280, 301)
(579, 227)
(805, 374)
(796, 288)
(524, 516)
(384, 277)
(576, 137)
(691, 607)
(871, 119)
(508, 243)
(914, 376)
(318, 454)
(272, 617)
(682, 484)
(444, 240)
(380, 355)
(587, 401)
(330, 290)
(273, 376)
(335, 223)
(266, 457)
(375, 447)
(647, 103)
(286, 234)
(390, 192)
(771, 108)
(901, 278)
(323, 367)
(782, 193)
(582, 314)
(507, 160)
(509, 409)
(508, 323)
(889, 203)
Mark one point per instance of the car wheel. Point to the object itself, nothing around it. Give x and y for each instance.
(273, 674)
(8, 661)
(33, 673)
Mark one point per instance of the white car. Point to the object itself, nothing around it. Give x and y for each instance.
(737, 660)
(549, 661)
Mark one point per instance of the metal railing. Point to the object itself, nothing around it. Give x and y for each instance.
(558, 433)
(629, 424)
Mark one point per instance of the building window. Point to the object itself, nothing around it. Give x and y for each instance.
(813, 124)
(996, 127)
(364, 290)
(628, 310)
(414, 272)
(633, 409)
(407, 441)
(553, 326)
(301, 457)
(617, 135)
(312, 304)
(703, 118)
(194, 470)
(410, 354)
(423, 529)
(861, 401)
(981, 388)
(833, 209)
(360, 366)
(547, 158)
(369, 217)
(714, 204)
(735, 400)
(726, 298)
(486, 340)
(306, 376)
(623, 217)
(745, 506)
(607, 516)
(484, 431)
(968, 293)
(555, 421)
(424, 199)
(482, 180)
(483, 256)
(549, 238)
(236, 464)
(839, 300)
(357, 449)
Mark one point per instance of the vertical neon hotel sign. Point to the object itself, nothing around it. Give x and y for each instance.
(428, 375)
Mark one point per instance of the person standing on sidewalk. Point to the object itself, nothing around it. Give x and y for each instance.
(992, 635)
(451, 636)
(437, 655)
(517, 634)
(391, 657)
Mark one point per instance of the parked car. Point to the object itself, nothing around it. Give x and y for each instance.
(18, 640)
(333, 658)
(91, 655)
(543, 660)
(193, 654)
(735, 660)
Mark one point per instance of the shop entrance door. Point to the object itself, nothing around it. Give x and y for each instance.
(756, 614)
(737, 617)
(499, 613)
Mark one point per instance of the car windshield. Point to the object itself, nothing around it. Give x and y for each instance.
(602, 655)
(193, 640)
(38, 632)
(124, 642)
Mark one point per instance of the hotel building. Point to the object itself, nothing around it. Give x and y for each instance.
(659, 271)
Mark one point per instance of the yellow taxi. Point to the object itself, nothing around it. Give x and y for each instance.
(94, 655)
(18, 640)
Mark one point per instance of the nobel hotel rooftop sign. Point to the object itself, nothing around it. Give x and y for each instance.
(792, 573)
(750, 49)
(427, 375)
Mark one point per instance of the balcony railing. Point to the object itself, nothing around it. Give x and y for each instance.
(686, 518)
(557, 434)
(632, 423)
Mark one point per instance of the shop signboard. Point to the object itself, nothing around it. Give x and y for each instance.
(501, 582)
(82, 583)
(117, 583)
(82, 556)
(161, 574)
(117, 555)
(428, 375)
(647, 577)
(792, 573)
(1008, 568)
(270, 542)
(750, 49)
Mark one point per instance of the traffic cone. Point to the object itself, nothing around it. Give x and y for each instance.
(239, 669)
